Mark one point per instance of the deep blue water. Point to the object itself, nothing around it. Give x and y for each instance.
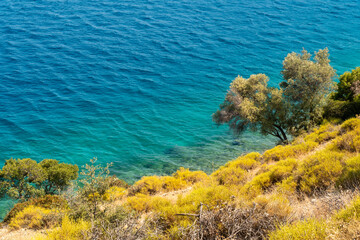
(135, 82)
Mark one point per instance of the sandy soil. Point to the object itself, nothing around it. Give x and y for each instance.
(21, 234)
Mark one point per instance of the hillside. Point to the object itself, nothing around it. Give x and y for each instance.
(305, 190)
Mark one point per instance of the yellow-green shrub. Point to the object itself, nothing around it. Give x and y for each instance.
(114, 193)
(159, 203)
(180, 179)
(144, 203)
(350, 176)
(282, 152)
(47, 201)
(350, 124)
(349, 142)
(190, 177)
(305, 230)
(210, 196)
(147, 185)
(139, 202)
(356, 143)
(272, 175)
(323, 134)
(352, 211)
(319, 171)
(35, 218)
(277, 153)
(257, 185)
(287, 186)
(247, 162)
(172, 183)
(234, 172)
(230, 176)
(69, 230)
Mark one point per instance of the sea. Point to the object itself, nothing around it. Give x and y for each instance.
(135, 83)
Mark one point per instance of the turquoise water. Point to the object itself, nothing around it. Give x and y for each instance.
(135, 82)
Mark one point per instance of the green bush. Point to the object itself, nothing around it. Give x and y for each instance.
(25, 178)
(345, 84)
(116, 213)
(341, 109)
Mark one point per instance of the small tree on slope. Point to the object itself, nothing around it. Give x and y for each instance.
(294, 107)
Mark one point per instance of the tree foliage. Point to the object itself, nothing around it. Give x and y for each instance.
(307, 86)
(348, 86)
(295, 106)
(345, 102)
(25, 178)
(250, 103)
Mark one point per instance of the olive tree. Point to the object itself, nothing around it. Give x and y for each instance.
(251, 103)
(308, 83)
(295, 106)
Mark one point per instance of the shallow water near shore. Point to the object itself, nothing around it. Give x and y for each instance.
(135, 82)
